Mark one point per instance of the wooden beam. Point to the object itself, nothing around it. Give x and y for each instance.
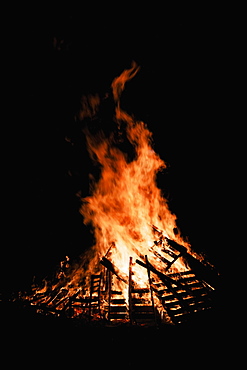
(151, 289)
(130, 291)
(109, 265)
(109, 292)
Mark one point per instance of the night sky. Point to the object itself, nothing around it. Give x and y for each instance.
(181, 92)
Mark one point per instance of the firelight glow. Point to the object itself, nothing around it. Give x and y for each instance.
(125, 203)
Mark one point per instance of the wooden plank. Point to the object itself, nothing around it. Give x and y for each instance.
(187, 277)
(160, 292)
(181, 274)
(177, 311)
(140, 290)
(109, 279)
(130, 291)
(137, 301)
(81, 300)
(151, 289)
(143, 308)
(96, 277)
(162, 258)
(118, 301)
(116, 292)
(117, 316)
(118, 309)
(180, 248)
(141, 317)
(169, 296)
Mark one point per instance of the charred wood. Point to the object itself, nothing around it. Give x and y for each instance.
(118, 309)
(174, 245)
(118, 316)
(204, 271)
(140, 290)
(118, 301)
(109, 265)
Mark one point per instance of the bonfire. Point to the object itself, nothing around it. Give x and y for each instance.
(140, 269)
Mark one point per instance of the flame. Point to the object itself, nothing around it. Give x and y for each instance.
(125, 203)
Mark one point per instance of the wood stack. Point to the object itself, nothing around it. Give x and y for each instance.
(180, 296)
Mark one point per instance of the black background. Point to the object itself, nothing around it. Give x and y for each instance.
(183, 92)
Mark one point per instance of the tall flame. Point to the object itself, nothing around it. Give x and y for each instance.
(125, 203)
(133, 228)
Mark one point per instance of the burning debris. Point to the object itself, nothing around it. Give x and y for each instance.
(140, 270)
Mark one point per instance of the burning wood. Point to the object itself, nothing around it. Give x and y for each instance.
(140, 269)
(109, 265)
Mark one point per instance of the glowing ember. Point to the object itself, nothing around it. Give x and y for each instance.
(138, 263)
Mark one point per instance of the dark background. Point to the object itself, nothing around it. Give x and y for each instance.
(183, 92)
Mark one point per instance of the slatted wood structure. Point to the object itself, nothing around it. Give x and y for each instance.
(88, 306)
(116, 308)
(141, 304)
(180, 296)
(190, 296)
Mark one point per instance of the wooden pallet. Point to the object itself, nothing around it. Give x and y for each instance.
(182, 295)
(141, 304)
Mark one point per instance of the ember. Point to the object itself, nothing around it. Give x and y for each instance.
(140, 270)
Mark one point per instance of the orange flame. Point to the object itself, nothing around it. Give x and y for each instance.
(125, 203)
